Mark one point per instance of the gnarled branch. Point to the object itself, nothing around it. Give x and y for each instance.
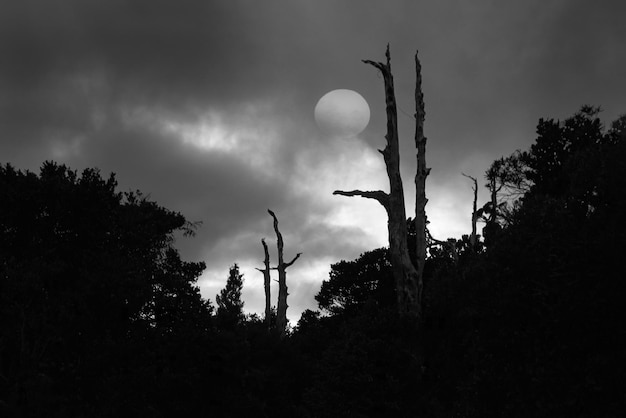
(293, 261)
(379, 195)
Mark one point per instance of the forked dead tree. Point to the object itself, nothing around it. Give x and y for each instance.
(281, 310)
(405, 275)
(266, 284)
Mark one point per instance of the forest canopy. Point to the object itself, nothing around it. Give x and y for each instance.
(100, 316)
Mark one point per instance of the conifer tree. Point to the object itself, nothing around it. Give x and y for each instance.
(229, 303)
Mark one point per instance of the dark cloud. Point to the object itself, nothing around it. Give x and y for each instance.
(207, 106)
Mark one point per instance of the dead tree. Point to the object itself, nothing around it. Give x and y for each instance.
(281, 310)
(473, 237)
(404, 273)
(420, 180)
(266, 284)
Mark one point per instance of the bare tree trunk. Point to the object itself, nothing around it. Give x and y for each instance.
(266, 284)
(404, 273)
(420, 180)
(493, 219)
(473, 237)
(281, 310)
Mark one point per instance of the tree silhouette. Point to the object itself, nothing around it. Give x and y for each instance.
(421, 241)
(407, 279)
(89, 275)
(353, 283)
(229, 303)
(281, 314)
(266, 285)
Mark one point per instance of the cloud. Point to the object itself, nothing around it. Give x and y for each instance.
(208, 107)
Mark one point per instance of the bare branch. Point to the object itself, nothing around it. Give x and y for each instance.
(379, 65)
(470, 177)
(379, 195)
(293, 261)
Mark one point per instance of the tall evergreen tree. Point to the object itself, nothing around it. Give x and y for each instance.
(229, 303)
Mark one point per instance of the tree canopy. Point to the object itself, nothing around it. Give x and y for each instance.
(100, 316)
(86, 272)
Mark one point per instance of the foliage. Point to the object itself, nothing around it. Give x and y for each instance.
(528, 327)
(508, 179)
(99, 315)
(89, 275)
(352, 283)
(229, 303)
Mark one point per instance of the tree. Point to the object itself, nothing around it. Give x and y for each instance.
(406, 277)
(421, 232)
(546, 296)
(473, 237)
(281, 314)
(508, 180)
(89, 277)
(229, 303)
(353, 283)
(266, 285)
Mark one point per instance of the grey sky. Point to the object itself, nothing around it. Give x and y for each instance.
(208, 107)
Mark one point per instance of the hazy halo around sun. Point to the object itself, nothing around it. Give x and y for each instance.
(342, 113)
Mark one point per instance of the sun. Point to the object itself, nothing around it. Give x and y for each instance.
(342, 113)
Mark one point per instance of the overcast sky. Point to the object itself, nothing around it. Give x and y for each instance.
(207, 106)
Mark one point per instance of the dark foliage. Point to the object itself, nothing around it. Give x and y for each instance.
(229, 303)
(92, 292)
(353, 283)
(101, 317)
(530, 327)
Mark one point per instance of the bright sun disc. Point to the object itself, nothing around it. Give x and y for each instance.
(342, 113)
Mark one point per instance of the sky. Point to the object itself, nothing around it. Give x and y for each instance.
(207, 107)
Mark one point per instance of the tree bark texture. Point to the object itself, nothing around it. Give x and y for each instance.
(266, 284)
(420, 180)
(404, 273)
(281, 309)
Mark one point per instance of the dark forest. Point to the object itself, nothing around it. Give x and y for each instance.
(237, 209)
(101, 317)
